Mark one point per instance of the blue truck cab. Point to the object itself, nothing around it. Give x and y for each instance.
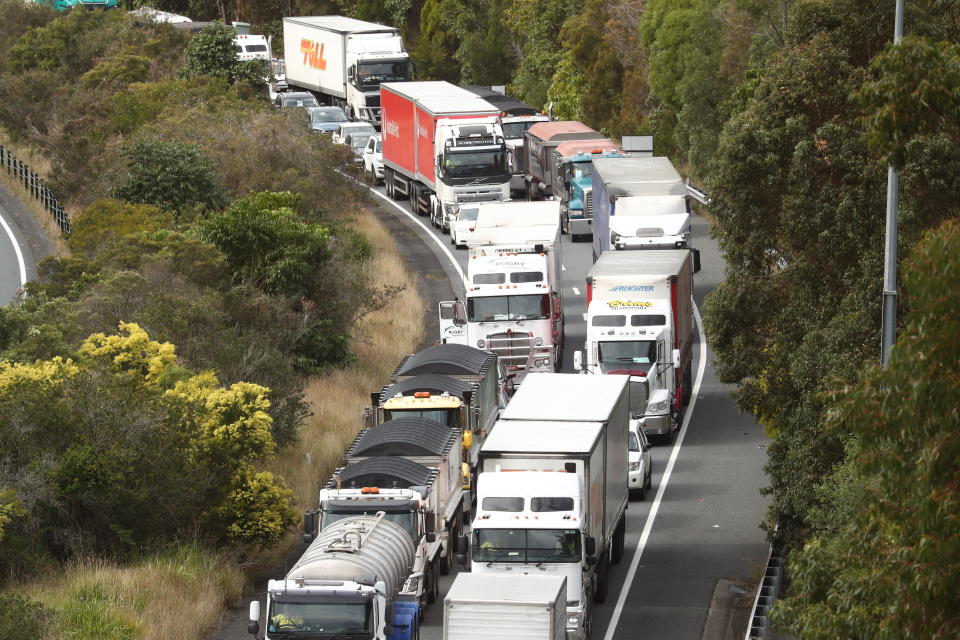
(575, 166)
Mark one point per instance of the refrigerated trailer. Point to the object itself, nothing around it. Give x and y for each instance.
(344, 61)
(640, 323)
(442, 146)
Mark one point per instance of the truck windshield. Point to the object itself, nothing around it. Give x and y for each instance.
(630, 351)
(371, 74)
(448, 417)
(515, 130)
(400, 518)
(526, 545)
(473, 164)
(319, 619)
(503, 308)
(582, 169)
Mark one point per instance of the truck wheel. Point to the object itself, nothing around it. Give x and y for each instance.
(616, 545)
(435, 579)
(600, 592)
(565, 225)
(445, 562)
(688, 385)
(388, 182)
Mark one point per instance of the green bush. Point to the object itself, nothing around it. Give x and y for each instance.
(19, 614)
(170, 175)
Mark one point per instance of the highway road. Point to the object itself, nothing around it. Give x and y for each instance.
(15, 257)
(699, 524)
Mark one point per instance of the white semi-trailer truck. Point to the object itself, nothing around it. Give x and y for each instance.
(552, 489)
(356, 580)
(514, 294)
(638, 203)
(481, 606)
(640, 323)
(344, 61)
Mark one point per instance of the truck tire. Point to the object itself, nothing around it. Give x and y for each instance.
(433, 581)
(565, 224)
(688, 384)
(388, 182)
(602, 579)
(617, 544)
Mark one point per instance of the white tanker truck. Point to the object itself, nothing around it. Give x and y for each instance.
(356, 579)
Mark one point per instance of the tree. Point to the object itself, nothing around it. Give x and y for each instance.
(119, 447)
(891, 570)
(170, 175)
(796, 195)
(535, 29)
(210, 52)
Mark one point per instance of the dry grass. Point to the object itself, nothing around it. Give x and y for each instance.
(40, 165)
(339, 397)
(175, 596)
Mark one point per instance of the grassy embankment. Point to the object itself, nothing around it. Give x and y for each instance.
(180, 595)
(39, 165)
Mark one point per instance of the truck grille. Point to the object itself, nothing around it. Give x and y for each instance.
(511, 348)
(588, 204)
(479, 196)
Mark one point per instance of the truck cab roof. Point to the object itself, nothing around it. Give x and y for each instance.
(434, 383)
(571, 148)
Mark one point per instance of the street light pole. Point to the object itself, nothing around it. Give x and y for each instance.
(888, 329)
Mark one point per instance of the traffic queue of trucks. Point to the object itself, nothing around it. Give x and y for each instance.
(531, 490)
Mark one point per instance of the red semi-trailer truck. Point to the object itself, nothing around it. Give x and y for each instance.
(442, 146)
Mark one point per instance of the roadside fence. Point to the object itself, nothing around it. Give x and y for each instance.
(35, 185)
(770, 588)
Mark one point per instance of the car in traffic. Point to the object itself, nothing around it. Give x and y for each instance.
(462, 224)
(345, 129)
(357, 141)
(639, 467)
(373, 159)
(326, 119)
(295, 99)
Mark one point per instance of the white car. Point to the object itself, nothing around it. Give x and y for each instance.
(345, 129)
(462, 225)
(373, 159)
(639, 467)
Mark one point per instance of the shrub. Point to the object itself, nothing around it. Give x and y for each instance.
(170, 175)
(19, 613)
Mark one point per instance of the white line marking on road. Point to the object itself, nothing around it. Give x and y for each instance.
(648, 526)
(16, 249)
(576, 291)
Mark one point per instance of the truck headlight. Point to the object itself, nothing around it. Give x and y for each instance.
(573, 620)
(657, 407)
(451, 208)
(481, 344)
(635, 466)
(538, 341)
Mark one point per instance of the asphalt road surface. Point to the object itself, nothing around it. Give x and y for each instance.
(704, 524)
(15, 257)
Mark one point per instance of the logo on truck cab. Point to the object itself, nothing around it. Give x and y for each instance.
(313, 54)
(629, 304)
(639, 287)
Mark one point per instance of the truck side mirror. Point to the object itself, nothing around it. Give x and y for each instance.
(253, 627)
(590, 546)
(430, 522)
(578, 360)
(696, 260)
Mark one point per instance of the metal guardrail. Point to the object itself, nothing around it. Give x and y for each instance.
(770, 588)
(35, 186)
(697, 194)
